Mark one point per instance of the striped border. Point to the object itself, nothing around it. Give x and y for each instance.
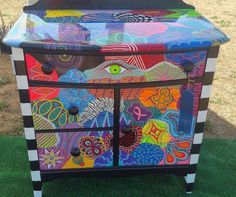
(23, 87)
(201, 117)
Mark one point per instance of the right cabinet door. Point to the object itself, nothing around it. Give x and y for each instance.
(157, 124)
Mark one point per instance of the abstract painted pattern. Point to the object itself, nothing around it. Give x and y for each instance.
(153, 119)
(53, 112)
(149, 127)
(55, 152)
(100, 31)
(116, 69)
(155, 127)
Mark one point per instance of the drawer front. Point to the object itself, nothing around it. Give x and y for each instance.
(157, 124)
(70, 150)
(115, 69)
(67, 108)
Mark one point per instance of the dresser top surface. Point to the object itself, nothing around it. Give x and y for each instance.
(112, 31)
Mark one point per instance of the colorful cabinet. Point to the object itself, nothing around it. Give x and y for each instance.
(113, 91)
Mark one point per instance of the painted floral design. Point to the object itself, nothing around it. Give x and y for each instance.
(51, 158)
(177, 151)
(129, 139)
(156, 132)
(91, 147)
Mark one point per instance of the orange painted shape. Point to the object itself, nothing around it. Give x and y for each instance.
(179, 154)
(170, 158)
(183, 145)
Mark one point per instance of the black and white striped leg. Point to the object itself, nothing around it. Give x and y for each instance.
(23, 87)
(201, 118)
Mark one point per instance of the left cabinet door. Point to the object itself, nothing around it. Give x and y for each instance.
(74, 150)
(71, 108)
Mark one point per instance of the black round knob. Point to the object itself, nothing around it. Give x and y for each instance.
(47, 68)
(187, 66)
(75, 152)
(73, 110)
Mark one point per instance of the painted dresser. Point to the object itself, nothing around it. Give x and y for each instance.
(113, 91)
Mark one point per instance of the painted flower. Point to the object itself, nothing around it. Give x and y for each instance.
(177, 151)
(156, 132)
(130, 138)
(91, 146)
(51, 158)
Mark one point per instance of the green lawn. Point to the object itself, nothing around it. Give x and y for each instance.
(216, 176)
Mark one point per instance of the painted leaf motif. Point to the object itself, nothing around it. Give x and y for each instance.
(183, 144)
(71, 118)
(34, 108)
(62, 119)
(45, 107)
(55, 113)
(170, 159)
(180, 155)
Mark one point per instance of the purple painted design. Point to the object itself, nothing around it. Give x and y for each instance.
(52, 158)
(139, 112)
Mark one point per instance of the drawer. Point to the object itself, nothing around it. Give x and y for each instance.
(157, 125)
(114, 69)
(69, 108)
(74, 150)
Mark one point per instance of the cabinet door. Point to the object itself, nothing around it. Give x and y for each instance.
(74, 150)
(157, 124)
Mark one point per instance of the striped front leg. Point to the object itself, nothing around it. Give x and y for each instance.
(201, 118)
(23, 87)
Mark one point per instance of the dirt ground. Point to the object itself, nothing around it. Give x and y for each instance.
(221, 120)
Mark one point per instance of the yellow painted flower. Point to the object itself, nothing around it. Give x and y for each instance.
(51, 158)
(156, 132)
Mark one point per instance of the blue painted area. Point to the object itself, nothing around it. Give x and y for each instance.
(186, 112)
(148, 154)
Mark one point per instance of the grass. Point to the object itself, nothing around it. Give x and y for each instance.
(3, 105)
(215, 176)
(4, 81)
